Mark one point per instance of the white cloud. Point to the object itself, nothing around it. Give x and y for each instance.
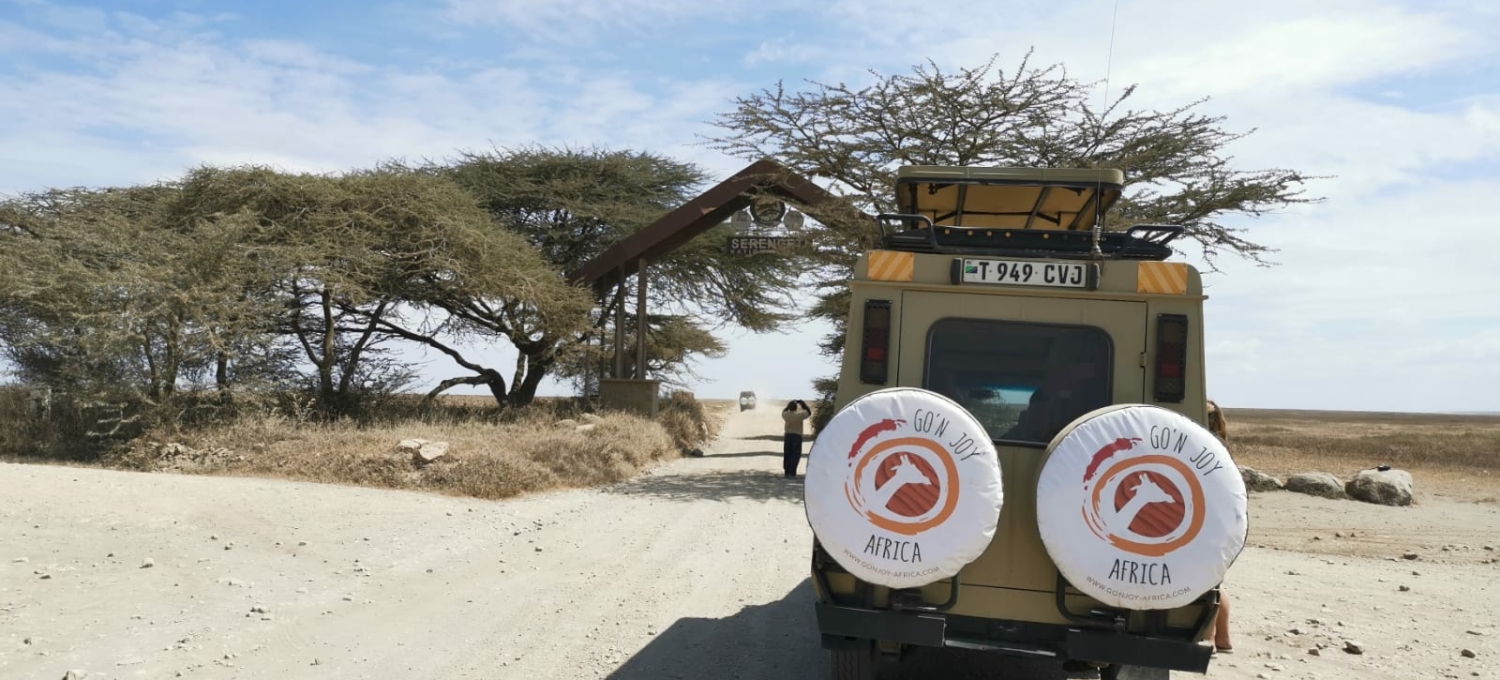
(201, 97)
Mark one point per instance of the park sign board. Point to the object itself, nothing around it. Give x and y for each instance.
(743, 245)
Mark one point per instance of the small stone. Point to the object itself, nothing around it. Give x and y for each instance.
(1410, 556)
(148, 563)
(229, 547)
(1338, 534)
(1474, 632)
(1262, 676)
(74, 675)
(257, 609)
(301, 544)
(539, 548)
(1295, 631)
(1353, 647)
(1315, 652)
(213, 537)
(27, 641)
(20, 560)
(1405, 589)
(45, 577)
(1467, 653)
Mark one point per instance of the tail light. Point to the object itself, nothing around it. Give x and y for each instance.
(1171, 358)
(875, 344)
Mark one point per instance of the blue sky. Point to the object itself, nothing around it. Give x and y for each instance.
(1383, 298)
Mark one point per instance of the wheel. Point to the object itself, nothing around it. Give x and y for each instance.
(1119, 672)
(855, 663)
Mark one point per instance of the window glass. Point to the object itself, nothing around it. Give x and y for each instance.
(1023, 381)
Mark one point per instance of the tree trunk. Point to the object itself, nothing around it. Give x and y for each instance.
(221, 376)
(489, 378)
(325, 362)
(525, 391)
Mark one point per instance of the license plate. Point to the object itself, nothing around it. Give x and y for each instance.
(1024, 273)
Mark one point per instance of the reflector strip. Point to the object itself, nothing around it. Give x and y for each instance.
(1161, 278)
(887, 265)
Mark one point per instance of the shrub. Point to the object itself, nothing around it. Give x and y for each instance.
(687, 421)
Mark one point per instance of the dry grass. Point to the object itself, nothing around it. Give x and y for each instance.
(492, 454)
(485, 460)
(1456, 447)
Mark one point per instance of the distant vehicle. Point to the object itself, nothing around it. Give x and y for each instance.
(1000, 341)
(747, 400)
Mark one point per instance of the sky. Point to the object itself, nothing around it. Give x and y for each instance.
(1383, 296)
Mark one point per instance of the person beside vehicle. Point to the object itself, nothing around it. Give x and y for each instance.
(1218, 631)
(793, 416)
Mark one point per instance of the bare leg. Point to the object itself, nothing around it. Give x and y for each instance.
(1220, 628)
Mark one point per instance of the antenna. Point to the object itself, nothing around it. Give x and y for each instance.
(1109, 59)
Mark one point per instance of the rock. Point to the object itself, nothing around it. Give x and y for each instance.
(1315, 652)
(74, 675)
(696, 453)
(429, 451)
(1409, 556)
(1353, 647)
(148, 563)
(410, 445)
(257, 609)
(1467, 653)
(301, 544)
(1389, 487)
(1316, 484)
(1405, 589)
(20, 560)
(1255, 480)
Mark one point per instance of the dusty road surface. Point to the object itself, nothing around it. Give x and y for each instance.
(698, 570)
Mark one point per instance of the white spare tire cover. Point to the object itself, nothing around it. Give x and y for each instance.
(903, 488)
(1141, 507)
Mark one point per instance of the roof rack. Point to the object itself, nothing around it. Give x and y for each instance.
(1141, 242)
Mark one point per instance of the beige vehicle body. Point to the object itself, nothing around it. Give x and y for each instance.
(994, 290)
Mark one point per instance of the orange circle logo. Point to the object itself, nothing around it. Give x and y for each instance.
(905, 486)
(1148, 505)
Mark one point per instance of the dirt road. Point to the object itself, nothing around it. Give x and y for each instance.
(698, 570)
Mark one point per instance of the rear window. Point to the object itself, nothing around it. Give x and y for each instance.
(1023, 381)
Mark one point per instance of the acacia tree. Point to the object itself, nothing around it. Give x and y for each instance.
(321, 267)
(104, 296)
(572, 205)
(1174, 160)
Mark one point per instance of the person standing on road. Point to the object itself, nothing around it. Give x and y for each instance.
(793, 416)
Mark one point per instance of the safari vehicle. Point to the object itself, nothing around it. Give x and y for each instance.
(747, 400)
(998, 289)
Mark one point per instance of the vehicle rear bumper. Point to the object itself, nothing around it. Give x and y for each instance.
(844, 626)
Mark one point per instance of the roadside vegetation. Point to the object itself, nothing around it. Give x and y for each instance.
(1461, 450)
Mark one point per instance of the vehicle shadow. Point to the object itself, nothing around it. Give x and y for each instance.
(772, 640)
(722, 486)
(780, 640)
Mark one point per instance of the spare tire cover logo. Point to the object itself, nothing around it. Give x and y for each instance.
(1141, 508)
(906, 485)
(903, 488)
